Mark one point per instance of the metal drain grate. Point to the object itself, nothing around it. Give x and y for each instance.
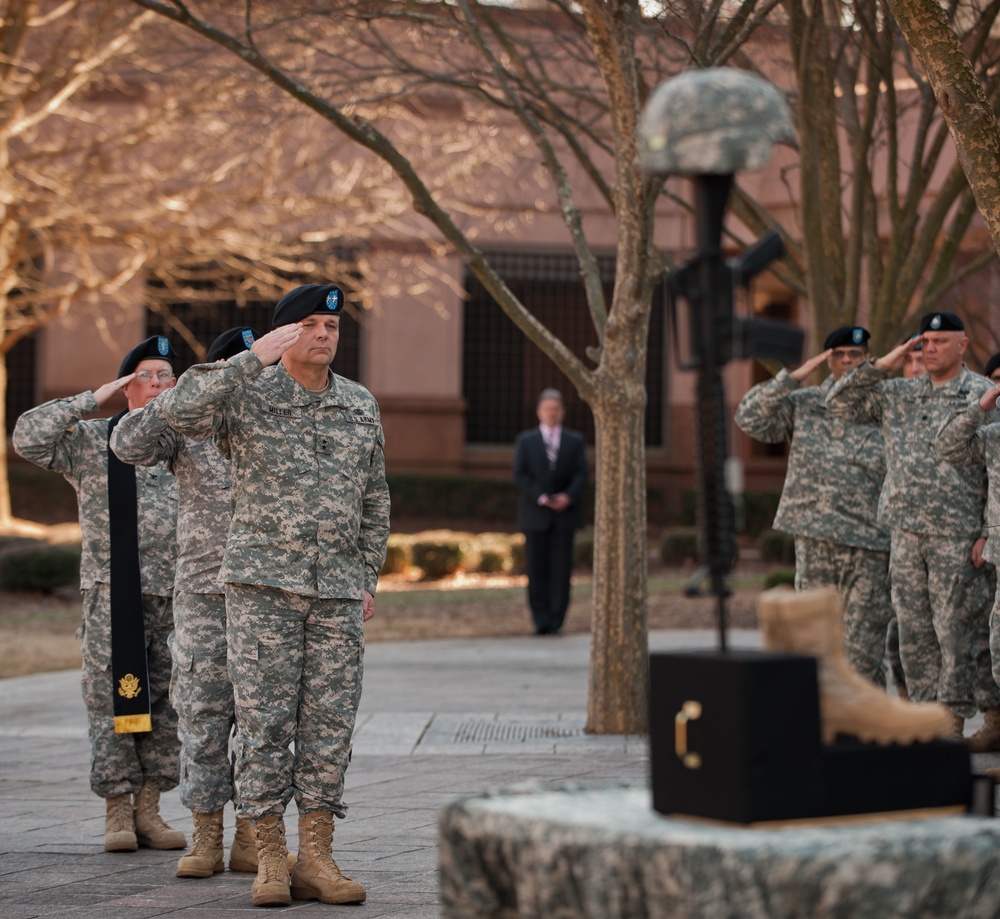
(480, 731)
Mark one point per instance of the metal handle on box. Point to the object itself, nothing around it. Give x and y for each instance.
(690, 711)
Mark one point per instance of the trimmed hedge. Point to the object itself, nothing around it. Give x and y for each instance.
(777, 547)
(42, 567)
(679, 545)
(778, 577)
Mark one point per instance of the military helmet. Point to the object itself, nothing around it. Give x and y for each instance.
(712, 122)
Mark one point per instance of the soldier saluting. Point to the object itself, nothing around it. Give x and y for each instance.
(934, 512)
(305, 547)
(128, 518)
(831, 491)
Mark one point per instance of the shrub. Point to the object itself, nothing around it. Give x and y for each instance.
(777, 547)
(492, 561)
(779, 576)
(517, 563)
(583, 548)
(679, 545)
(41, 567)
(759, 508)
(11, 542)
(437, 559)
(396, 557)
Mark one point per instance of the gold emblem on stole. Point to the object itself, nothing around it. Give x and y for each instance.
(128, 686)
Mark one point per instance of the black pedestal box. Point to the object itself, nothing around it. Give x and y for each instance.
(735, 736)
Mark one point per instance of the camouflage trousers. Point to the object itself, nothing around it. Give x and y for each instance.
(120, 763)
(862, 578)
(202, 694)
(296, 664)
(942, 603)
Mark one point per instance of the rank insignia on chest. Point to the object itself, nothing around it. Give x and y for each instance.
(278, 410)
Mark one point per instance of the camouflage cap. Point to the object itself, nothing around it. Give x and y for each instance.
(712, 122)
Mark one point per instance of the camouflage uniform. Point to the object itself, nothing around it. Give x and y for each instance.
(834, 478)
(934, 512)
(966, 439)
(200, 687)
(308, 534)
(55, 437)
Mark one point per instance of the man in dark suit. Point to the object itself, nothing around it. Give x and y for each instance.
(550, 469)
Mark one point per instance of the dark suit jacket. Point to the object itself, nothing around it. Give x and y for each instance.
(534, 478)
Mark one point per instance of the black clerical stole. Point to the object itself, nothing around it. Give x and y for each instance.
(129, 668)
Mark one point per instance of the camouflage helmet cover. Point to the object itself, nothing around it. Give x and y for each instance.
(713, 121)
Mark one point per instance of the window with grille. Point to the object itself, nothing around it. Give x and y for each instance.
(22, 364)
(503, 372)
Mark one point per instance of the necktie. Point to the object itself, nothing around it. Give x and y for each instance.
(551, 451)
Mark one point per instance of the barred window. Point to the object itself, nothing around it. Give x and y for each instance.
(503, 372)
(22, 365)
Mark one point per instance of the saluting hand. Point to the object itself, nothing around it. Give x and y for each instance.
(897, 356)
(103, 393)
(269, 348)
(802, 373)
(988, 400)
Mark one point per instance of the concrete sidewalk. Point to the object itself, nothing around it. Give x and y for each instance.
(437, 719)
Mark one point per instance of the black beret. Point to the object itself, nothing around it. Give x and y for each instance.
(992, 364)
(231, 342)
(846, 335)
(306, 300)
(941, 322)
(157, 348)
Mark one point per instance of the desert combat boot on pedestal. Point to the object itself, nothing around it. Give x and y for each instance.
(270, 887)
(808, 622)
(205, 857)
(150, 828)
(987, 738)
(119, 825)
(316, 875)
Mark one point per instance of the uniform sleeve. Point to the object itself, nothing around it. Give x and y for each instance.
(196, 405)
(961, 439)
(766, 413)
(48, 435)
(857, 395)
(144, 437)
(374, 531)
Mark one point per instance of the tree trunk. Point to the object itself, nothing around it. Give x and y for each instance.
(6, 515)
(962, 99)
(617, 697)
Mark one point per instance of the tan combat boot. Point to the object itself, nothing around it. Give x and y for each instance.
(150, 828)
(987, 738)
(316, 875)
(808, 622)
(243, 852)
(119, 825)
(270, 887)
(957, 731)
(204, 858)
